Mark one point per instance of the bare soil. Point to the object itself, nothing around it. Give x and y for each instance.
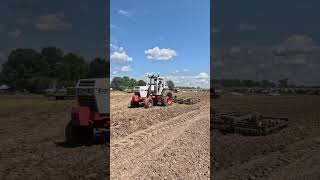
(292, 153)
(160, 142)
(32, 142)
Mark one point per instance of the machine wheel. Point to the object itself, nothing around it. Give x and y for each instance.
(167, 98)
(148, 103)
(77, 135)
(256, 118)
(133, 104)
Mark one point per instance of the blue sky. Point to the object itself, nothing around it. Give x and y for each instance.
(249, 33)
(180, 29)
(166, 37)
(73, 26)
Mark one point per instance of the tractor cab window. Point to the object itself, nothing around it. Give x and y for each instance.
(154, 81)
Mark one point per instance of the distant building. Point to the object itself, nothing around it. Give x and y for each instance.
(4, 88)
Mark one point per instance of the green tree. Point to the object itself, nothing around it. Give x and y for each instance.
(116, 83)
(266, 83)
(21, 66)
(98, 68)
(132, 82)
(34, 71)
(51, 57)
(170, 85)
(72, 68)
(283, 83)
(141, 83)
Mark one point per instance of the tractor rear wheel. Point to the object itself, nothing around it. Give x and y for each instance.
(148, 103)
(167, 98)
(77, 135)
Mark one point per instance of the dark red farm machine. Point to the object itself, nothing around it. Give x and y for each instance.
(93, 112)
(252, 124)
(155, 92)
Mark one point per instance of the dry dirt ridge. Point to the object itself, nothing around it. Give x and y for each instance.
(175, 147)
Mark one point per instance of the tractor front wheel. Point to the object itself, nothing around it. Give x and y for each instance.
(77, 135)
(148, 103)
(133, 104)
(167, 98)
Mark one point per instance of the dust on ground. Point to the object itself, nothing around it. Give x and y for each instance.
(292, 153)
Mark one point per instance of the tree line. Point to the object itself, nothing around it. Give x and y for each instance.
(28, 69)
(123, 83)
(282, 83)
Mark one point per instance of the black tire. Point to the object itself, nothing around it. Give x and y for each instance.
(133, 104)
(256, 118)
(230, 125)
(148, 103)
(77, 135)
(166, 94)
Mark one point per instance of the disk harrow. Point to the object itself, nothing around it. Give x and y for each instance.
(253, 124)
(186, 100)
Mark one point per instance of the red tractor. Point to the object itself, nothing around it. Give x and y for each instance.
(92, 113)
(156, 92)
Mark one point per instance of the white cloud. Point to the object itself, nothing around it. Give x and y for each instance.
(234, 50)
(297, 44)
(300, 59)
(202, 79)
(295, 50)
(185, 70)
(114, 72)
(126, 69)
(125, 12)
(148, 74)
(53, 22)
(15, 34)
(121, 56)
(114, 46)
(112, 26)
(203, 75)
(160, 54)
(247, 27)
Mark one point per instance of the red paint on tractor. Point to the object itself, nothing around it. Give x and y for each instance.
(135, 98)
(169, 100)
(82, 116)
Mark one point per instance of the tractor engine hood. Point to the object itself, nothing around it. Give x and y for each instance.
(140, 88)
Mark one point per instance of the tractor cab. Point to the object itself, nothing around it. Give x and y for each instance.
(155, 91)
(156, 84)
